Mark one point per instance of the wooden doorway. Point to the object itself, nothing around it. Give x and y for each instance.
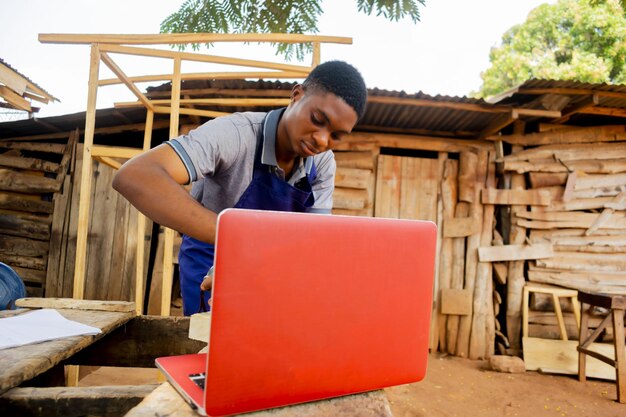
(406, 188)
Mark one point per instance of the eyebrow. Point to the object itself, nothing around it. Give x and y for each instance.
(325, 116)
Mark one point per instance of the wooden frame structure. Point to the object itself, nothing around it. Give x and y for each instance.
(16, 89)
(102, 47)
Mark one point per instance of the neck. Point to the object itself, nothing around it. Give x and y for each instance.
(285, 156)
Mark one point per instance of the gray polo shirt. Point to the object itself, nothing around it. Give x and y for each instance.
(219, 157)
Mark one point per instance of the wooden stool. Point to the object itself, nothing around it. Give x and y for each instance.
(617, 305)
(556, 293)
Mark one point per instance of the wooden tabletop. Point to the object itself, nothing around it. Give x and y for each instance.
(22, 363)
(165, 401)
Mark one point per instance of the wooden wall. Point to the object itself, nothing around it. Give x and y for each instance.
(32, 176)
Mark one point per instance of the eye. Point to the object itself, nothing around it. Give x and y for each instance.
(336, 137)
(316, 120)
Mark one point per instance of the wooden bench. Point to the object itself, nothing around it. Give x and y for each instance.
(616, 304)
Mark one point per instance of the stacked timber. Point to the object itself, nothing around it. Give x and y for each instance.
(572, 214)
(32, 177)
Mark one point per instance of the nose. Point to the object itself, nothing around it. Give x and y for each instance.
(321, 139)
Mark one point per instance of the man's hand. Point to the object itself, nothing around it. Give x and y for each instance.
(207, 282)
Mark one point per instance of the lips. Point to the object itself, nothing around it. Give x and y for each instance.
(308, 149)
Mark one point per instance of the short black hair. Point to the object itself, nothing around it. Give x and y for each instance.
(341, 79)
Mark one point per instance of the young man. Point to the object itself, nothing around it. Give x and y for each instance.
(267, 161)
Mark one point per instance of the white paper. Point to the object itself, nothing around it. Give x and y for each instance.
(40, 326)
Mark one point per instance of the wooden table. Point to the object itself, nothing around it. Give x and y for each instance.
(32, 377)
(165, 401)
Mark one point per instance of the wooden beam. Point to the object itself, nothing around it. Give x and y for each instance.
(215, 101)
(28, 163)
(571, 92)
(537, 112)
(120, 74)
(12, 79)
(604, 111)
(589, 166)
(188, 56)
(69, 303)
(178, 38)
(484, 108)
(108, 162)
(567, 135)
(14, 99)
(194, 112)
(515, 252)
(115, 151)
(366, 141)
(569, 111)
(498, 124)
(571, 152)
(85, 180)
(233, 75)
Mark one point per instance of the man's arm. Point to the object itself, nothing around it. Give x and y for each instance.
(152, 183)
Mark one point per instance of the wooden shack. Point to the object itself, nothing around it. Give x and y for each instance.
(527, 187)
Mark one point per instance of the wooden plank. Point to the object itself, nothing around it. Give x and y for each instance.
(566, 135)
(473, 242)
(178, 38)
(449, 181)
(571, 152)
(610, 262)
(363, 141)
(590, 166)
(352, 178)
(547, 179)
(387, 203)
(25, 362)
(362, 160)
(482, 336)
(122, 76)
(456, 301)
(69, 303)
(348, 198)
(35, 147)
(12, 79)
(23, 246)
(24, 261)
(85, 181)
(581, 280)
(515, 252)
(461, 227)
(25, 203)
(561, 357)
(467, 176)
(74, 401)
(189, 56)
(15, 100)
(597, 181)
(22, 162)
(516, 197)
(24, 183)
(208, 75)
(458, 273)
(115, 151)
(30, 275)
(31, 228)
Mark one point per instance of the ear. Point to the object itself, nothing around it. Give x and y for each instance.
(297, 92)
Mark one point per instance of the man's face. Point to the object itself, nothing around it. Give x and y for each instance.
(313, 122)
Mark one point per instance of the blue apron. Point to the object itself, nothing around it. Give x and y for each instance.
(265, 192)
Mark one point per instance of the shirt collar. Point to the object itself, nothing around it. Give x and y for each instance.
(270, 128)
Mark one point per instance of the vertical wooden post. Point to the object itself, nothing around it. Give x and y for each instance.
(438, 337)
(475, 183)
(317, 47)
(141, 227)
(515, 276)
(85, 178)
(168, 247)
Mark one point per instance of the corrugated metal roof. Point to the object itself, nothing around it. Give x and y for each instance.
(3, 62)
(392, 111)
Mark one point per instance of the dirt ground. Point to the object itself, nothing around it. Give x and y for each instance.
(458, 387)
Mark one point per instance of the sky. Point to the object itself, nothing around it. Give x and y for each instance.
(443, 54)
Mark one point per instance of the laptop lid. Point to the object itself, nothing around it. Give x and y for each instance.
(310, 306)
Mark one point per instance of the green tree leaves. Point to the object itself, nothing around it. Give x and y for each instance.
(272, 16)
(582, 40)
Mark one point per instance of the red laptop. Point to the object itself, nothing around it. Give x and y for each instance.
(308, 307)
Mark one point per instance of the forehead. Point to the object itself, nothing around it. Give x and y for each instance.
(339, 113)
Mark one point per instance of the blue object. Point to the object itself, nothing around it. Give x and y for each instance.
(265, 192)
(11, 287)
